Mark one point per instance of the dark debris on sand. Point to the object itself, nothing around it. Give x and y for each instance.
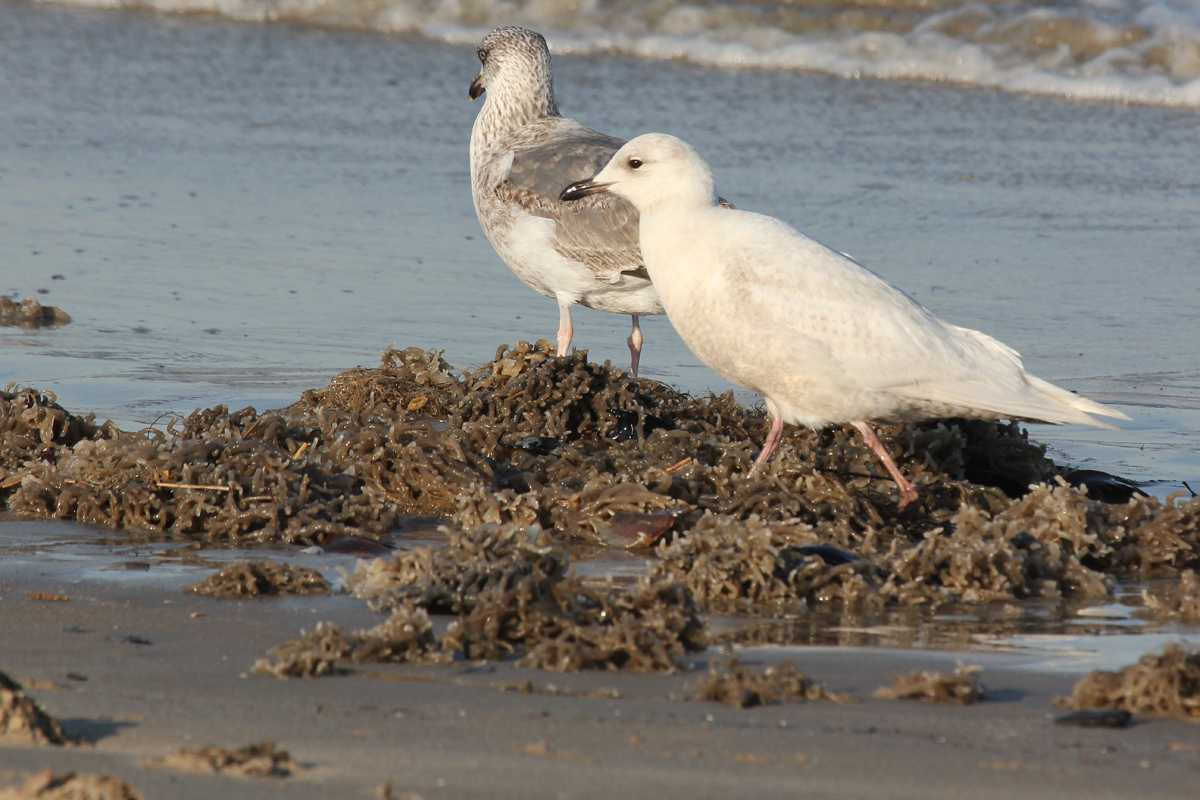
(532, 452)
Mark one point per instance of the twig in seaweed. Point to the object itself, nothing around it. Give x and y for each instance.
(246, 433)
(164, 485)
(13, 480)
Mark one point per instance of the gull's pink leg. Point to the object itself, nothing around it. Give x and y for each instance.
(635, 345)
(773, 438)
(565, 329)
(908, 492)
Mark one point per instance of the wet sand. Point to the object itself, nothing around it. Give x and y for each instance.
(463, 731)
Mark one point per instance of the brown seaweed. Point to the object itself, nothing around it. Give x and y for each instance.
(567, 625)
(29, 313)
(405, 637)
(1163, 684)
(995, 523)
(256, 578)
(23, 721)
(262, 760)
(512, 595)
(45, 785)
(733, 683)
(960, 688)
(1183, 603)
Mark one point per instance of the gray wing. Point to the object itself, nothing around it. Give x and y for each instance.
(600, 231)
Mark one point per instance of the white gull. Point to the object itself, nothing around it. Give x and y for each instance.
(522, 155)
(825, 340)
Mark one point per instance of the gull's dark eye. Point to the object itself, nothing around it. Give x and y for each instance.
(483, 54)
(635, 163)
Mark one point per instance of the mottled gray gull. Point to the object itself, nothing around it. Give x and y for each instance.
(522, 155)
(825, 340)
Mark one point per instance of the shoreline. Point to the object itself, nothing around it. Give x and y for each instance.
(448, 732)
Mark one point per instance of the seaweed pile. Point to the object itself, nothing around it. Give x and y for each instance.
(532, 452)
(1163, 684)
(298, 475)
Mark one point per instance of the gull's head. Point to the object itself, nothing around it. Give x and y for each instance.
(652, 170)
(514, 68)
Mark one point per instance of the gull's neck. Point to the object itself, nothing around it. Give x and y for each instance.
(680, 204)
(508, 108)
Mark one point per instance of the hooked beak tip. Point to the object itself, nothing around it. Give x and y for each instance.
(581, 189)
(476, 88)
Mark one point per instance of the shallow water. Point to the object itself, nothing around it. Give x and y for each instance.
(234, 213)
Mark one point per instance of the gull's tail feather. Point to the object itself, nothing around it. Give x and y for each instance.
(1016, 395)
(1036, 401)
(1082, 405)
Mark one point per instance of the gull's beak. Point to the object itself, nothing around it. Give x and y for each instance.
(476, 87)
(581, 189)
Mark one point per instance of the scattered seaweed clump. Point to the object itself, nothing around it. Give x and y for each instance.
(45, 785)
(1183, 603)
(569, 625)
(960, 688)
(449, 579)
(1163, 684)
(23, 721)
(258, 578)
(405, 637)
(511, 593)
(29, 313)
(262, 760)
(1033, 548)
(732, 566)
(417, 381)
(733, 683)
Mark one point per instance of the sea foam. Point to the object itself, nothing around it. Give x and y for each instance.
(1129, 51)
